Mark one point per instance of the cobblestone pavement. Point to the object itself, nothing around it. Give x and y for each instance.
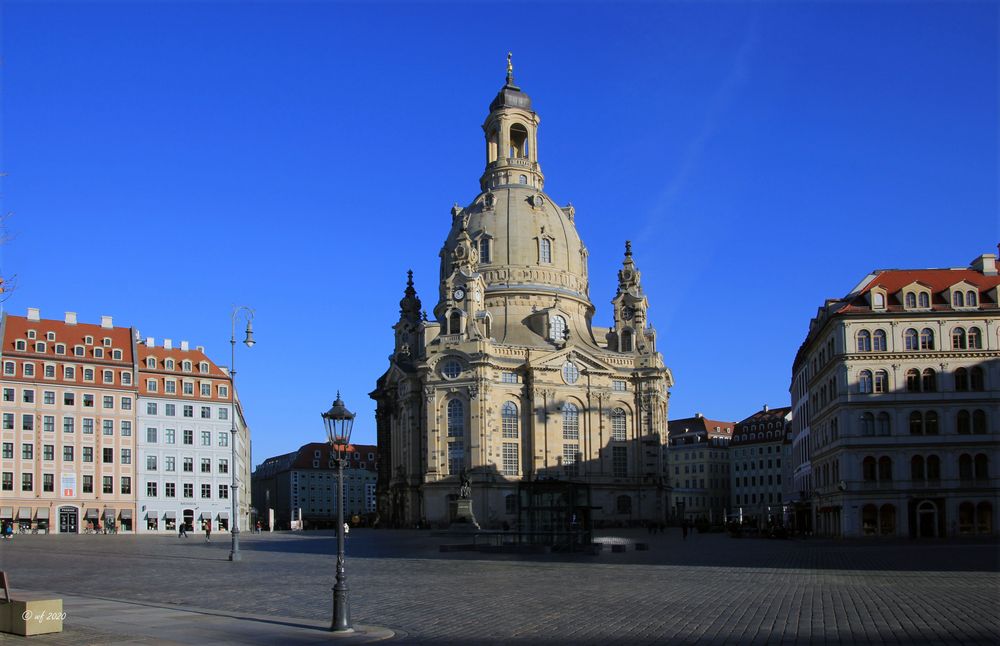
(709, 589)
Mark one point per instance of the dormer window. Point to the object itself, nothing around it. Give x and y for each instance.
(31, 334)
(60, 348)
(98, 353)
(557, 328)
(78, 350)
(40, 346)
(910, 301)
(150, 362)
(878, 300)
(203, 367)
(116, 355)
(51, 336)
(20, 345)
(186, 366)
(958, 299)
(107, 342)
(169, 364)
(88, 340)
(924, 300)
(971, 299)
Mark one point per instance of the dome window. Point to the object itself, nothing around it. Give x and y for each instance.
(522, 179)
(451, 369)
(484, 249)
(557, 329)
(545, 250)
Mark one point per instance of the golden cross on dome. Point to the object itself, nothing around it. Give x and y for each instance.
(510, 69)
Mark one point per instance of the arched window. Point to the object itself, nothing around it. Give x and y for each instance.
(927, 339)
(965, 466)
(957, 299)
(545, 250)
(933, 467)
(865, 381)
(522, 179)
(508, 419)
(958, 338)
(456, 418)
(924, 300)
(884, 469)
(557, 328)
(964, 422)
(864, 341)
(878, 300)
(867, 424)
(978, 422)
(626, 340)
(882, 427)
(929, 382)
(911, 339)
(186, 366)
(150, 362)
(961, 380)
(484, 250)
(912, 380)
(881, 381)
(975, 339)
(917, 468)
(618, 425)
(168, 364)
(931, 423)
(981, 464)
(976, 379)
(971, 300)
(571, 421)
(916, 423)
(868, 466)
(878, 341)
(624, 504)
(518, 141)
(910, 300)
(455, 322)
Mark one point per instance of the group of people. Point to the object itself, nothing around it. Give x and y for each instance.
(182, 531)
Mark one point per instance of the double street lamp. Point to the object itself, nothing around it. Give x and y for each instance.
(234, 554)
(339, 421)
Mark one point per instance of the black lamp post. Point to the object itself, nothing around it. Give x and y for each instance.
(339, 421)
(234, 493)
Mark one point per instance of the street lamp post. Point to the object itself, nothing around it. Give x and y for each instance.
(338, 422)
(234, 493)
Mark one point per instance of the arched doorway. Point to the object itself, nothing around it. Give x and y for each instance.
(927, 519)
(68, 520)
(188, 518)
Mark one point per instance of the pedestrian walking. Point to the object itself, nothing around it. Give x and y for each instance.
(8, 530)
(208, 531)
(182, 532)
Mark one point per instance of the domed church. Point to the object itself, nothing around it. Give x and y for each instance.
(510, 382)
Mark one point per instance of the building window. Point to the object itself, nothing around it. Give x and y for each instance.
(618, 428)
(929, 381)
(126, 456)
(570, 421)
(510, 459)
(188, 410)
(975, 339)
(865, 381)
(456, 456)
(879, 341)
(881, 381)
(484, 250)
(224, 438)
(912, 380)
(545, 250)
(49, 424)
(927, 339)
(206, 438)
(916, 423)
(8, 481)
(188, 490)
(188, 436)
(223, 491)
(223, 466)
(88, 454)
(223, 413)
(626, 340)
(456, 418)
(961, 380)
(108, 484)
(170, 490)
(882, 426)
(979, 422)
(570, 373)
(619, 461)
(508, 419)
(510, 504)
(618, 385)
(151, 385)
(188, 465)
(188, 388)
(108, 376)
(867, 424)
(570, 452)
(169, 386)
(88, 484)
(864, 341)
(206, 491)
(557, 328)
(206, 465)
(170, 436)
(151, 490)
(151, 463)
(108, 427)
(126, 485)
(206, 390)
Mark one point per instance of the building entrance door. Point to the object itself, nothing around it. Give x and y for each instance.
(189, 520)
(68, 520)
(926, 520)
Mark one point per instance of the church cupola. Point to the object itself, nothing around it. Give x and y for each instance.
(511, 139)
(408, 341)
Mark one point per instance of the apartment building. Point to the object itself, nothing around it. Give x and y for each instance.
(698, 467)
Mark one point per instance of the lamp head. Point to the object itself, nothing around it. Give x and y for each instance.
(249, 340)
(338, 422)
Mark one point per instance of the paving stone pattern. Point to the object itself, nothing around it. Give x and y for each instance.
(709, 589)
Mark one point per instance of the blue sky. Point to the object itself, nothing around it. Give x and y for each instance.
(166, 161)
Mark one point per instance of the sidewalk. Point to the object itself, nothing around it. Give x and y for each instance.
(91, 620)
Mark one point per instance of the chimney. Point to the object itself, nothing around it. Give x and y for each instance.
(184, 346)
(34, 314)
(106, 322)
(698, 415)
(150, 342)
(986, 264)
(200, 349)
(70, 318)
(168, 344)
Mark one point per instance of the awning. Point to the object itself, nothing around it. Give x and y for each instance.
(24, 513)
(224, 515)
(91, 513)
(42, 513)
(6, 512)
(126, 514)
(206, 515)
(151, 514)
(110, 512)
(170, 515)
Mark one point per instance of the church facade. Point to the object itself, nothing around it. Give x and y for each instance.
(508, 380)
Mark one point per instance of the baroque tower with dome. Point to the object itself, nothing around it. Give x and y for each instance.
(509, 380)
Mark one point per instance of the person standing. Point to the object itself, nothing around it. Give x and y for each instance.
(182, 532)
(208, 531)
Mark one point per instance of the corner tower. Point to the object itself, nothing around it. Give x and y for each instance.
(509, 381)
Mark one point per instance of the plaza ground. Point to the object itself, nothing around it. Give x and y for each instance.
(709, 589)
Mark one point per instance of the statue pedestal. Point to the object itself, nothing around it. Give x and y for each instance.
(461, 516)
